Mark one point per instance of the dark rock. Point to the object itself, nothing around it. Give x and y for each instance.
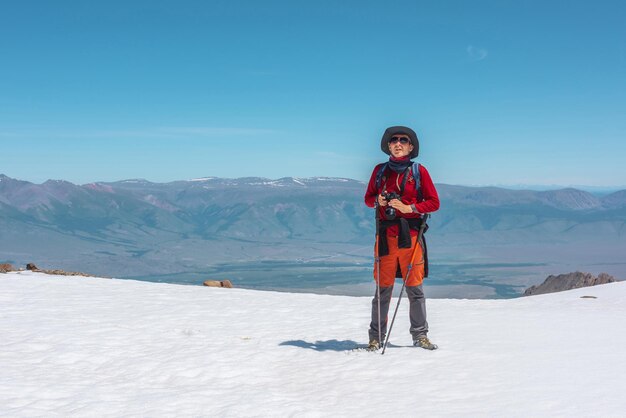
(568, 281)
(31, 266)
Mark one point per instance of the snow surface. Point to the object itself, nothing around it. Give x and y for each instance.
(74, 346)
(203, 179)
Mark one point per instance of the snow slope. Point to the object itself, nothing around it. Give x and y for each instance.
(74, 346)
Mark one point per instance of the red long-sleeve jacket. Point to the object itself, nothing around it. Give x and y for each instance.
(392, 182)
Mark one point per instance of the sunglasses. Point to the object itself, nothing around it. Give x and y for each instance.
(403, 140)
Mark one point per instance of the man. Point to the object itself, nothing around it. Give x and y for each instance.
(393, 187)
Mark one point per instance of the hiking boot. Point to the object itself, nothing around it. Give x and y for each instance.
(424, 342)
(374, 345)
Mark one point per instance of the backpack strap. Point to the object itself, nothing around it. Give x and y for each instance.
(418, 185)
(404, 179)
(379, 175)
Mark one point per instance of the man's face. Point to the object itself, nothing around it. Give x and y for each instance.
(400, 145)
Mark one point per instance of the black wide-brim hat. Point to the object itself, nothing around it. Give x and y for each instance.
(403, 130)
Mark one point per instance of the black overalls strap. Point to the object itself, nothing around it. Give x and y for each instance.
(404, 234)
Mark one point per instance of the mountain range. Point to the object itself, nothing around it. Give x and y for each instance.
(301, 232)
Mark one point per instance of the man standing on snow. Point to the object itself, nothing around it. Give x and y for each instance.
(401, 197)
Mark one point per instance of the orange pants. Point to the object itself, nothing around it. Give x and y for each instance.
(402, 256)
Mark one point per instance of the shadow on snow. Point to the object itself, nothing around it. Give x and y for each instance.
(329, 345)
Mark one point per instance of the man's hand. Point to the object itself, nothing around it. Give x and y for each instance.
(381, 200)
(398, 205)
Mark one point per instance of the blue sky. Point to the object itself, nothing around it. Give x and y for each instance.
(499, 92)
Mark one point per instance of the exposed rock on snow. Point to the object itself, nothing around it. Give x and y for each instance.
(5, 268)
(568, 281)
(218, 283)
(33, 267)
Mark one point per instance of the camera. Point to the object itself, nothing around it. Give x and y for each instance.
(390, 213)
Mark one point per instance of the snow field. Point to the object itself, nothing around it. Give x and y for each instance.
(73, 346)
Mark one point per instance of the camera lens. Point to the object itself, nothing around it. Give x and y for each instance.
(390, 213)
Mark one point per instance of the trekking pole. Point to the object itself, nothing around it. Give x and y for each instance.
(417, 242)
(377, 262)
